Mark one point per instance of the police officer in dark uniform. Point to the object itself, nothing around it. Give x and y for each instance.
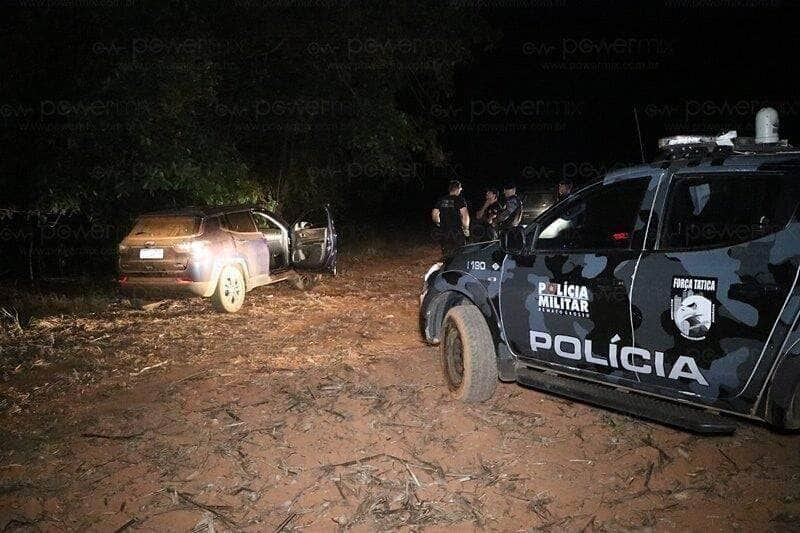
(511, 215)
(487, 216)
(451, 217)
(564, 189)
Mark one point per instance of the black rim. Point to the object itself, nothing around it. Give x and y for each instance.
(453, 357)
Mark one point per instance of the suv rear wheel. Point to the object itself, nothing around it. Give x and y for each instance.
(468, 355)
(229, 295)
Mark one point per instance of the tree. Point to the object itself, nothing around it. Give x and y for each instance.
(192, 103)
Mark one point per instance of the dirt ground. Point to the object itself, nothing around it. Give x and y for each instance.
(325, 410)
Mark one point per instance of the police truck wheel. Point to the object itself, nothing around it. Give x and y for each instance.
(468, 356)
(229, 295)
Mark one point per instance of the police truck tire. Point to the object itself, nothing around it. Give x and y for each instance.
(229, 294)
(467, 355)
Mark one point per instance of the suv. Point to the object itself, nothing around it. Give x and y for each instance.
(668, 291)
(223, 252)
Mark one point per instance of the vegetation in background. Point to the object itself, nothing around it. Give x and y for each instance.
(123, 111)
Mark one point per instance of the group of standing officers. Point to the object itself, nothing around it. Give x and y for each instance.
(452, 220)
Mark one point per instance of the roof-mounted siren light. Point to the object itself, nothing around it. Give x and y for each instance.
(725, 139)
(767, 126)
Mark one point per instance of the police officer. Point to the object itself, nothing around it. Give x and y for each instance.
(487, 215)
(511, 215)
(451, 217)
(564, 189)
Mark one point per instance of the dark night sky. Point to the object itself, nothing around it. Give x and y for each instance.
(687, 70)
(553, 96)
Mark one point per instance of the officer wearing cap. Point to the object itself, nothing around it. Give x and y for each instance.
(511, 215)
(451, 217)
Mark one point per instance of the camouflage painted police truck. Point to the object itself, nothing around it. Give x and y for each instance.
(668, 291)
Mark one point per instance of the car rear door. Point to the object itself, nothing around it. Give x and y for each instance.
(277, 235)
(315, 244)
(250, 243)
(719, 275)
(565, 304)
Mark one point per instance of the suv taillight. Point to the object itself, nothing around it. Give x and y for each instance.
(197, 249)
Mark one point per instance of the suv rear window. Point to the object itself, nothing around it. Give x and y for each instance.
(713, 211)
(166, 226)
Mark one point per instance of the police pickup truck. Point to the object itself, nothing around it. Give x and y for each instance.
(667, 291)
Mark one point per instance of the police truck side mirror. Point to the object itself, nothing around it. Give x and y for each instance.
(517, 241)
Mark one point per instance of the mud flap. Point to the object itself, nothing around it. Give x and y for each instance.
(506, 368)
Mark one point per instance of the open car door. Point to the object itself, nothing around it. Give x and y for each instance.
(314, 245)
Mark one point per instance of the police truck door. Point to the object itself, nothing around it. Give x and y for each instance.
(566, 304)
(711, 292)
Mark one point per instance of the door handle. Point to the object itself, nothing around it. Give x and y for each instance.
(636, 317)
(240, 241)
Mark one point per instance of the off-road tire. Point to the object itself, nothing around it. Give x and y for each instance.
(230, 292)
(305, 282)
(466, 338)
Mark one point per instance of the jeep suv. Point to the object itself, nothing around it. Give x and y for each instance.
(222, 253)
(668, 291)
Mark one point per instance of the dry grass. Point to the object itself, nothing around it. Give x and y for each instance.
(324, 410)
(79, 298)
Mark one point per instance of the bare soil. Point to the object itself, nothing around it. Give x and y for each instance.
(325, 410)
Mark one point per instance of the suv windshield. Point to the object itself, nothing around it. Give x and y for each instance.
(166, 226)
